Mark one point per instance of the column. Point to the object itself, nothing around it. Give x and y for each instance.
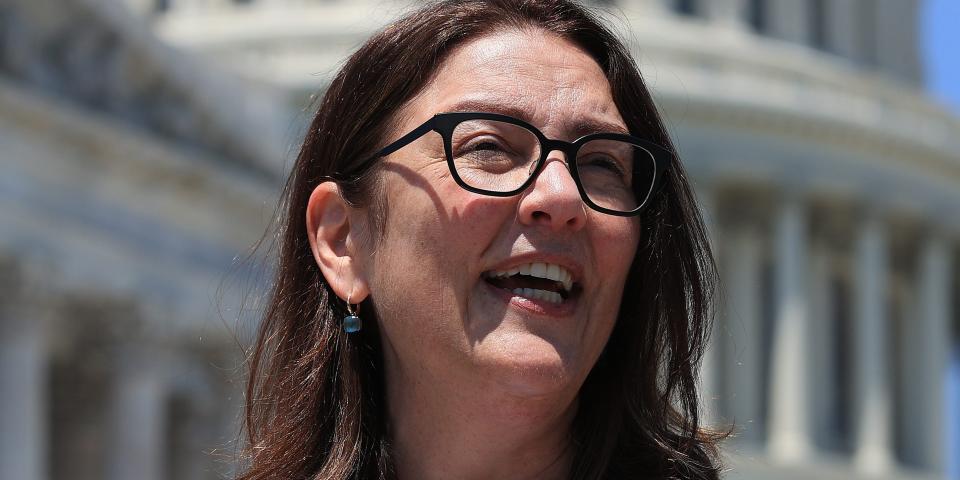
(229, 407)
(742, 355)
(141, 7)
(710, 368)
(897, 38)
(789, 20)
(23, 381)
(644, 6)
(193, 407)
(843, 20)
(139, 415)
(730, 13)
(23, 396)
(907, 333)
(933, 336)
(872, 425)
(789, 424)
(821, 324)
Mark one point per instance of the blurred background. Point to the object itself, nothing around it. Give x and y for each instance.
(143, 144)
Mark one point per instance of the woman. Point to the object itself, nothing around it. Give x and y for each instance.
(491, 265)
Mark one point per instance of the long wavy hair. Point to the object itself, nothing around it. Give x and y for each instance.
(315, 398)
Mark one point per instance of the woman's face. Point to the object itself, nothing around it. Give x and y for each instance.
(429, 275)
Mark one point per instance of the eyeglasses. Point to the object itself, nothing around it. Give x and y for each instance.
(498, 155)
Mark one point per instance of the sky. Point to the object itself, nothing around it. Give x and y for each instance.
(941, 48)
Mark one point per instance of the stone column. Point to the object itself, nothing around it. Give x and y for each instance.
(731, 13)
(205, 5)
(710, 369)
(643, 6)
(23, 380)
(897, 38)
(872, 402)
(789, 20)
(742, 355)
(139, 415)
(931, 348)
(821, 326)
(842, 28)
(789, 423)
(193, 408)
(141, 7)
(23, 395)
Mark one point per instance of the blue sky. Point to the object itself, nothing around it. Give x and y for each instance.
(941, 47)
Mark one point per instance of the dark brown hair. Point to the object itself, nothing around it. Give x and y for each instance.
(315, 397)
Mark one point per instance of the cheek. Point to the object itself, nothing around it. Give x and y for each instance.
(615, 242)
(614, 247)
(427, 265)
(481, 216)
(434, 239)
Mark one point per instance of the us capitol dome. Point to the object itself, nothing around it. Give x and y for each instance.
(143, 143)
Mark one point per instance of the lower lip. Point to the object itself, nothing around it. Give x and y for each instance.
(538, 307)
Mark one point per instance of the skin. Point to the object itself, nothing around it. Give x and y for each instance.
(479, 386)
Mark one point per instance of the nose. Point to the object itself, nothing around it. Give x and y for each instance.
(553, 200)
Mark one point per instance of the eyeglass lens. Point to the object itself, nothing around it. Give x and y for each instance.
(500, 157)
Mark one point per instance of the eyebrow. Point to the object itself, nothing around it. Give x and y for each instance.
(583, 126)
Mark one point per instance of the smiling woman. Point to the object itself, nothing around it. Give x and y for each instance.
(489, 183)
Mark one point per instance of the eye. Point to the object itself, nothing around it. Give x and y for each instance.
(486, 152)
(602, 162)
(484, 144)
(486, 148)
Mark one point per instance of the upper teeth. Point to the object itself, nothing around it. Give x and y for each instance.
(548, 271)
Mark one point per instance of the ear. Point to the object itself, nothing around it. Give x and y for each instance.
(334, 241)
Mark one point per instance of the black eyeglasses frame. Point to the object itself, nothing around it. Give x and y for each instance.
(445, 123)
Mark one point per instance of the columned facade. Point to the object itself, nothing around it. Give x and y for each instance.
(845, 339)
(121, 206)
(842, 269)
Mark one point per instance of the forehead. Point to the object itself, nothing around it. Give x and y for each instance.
(531, 74)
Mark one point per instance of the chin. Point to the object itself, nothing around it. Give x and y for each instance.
(529, 365)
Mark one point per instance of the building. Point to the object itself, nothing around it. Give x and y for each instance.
(128, 188)
(830, 181)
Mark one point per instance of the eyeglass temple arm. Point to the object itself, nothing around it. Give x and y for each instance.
(407, 139)
(398, 144)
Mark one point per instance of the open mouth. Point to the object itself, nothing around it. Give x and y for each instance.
(537, 281)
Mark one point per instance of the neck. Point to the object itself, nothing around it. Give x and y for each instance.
(442, 430)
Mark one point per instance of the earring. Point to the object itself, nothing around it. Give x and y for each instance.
(352, 322)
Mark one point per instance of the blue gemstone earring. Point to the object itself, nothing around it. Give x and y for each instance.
(352, 322)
